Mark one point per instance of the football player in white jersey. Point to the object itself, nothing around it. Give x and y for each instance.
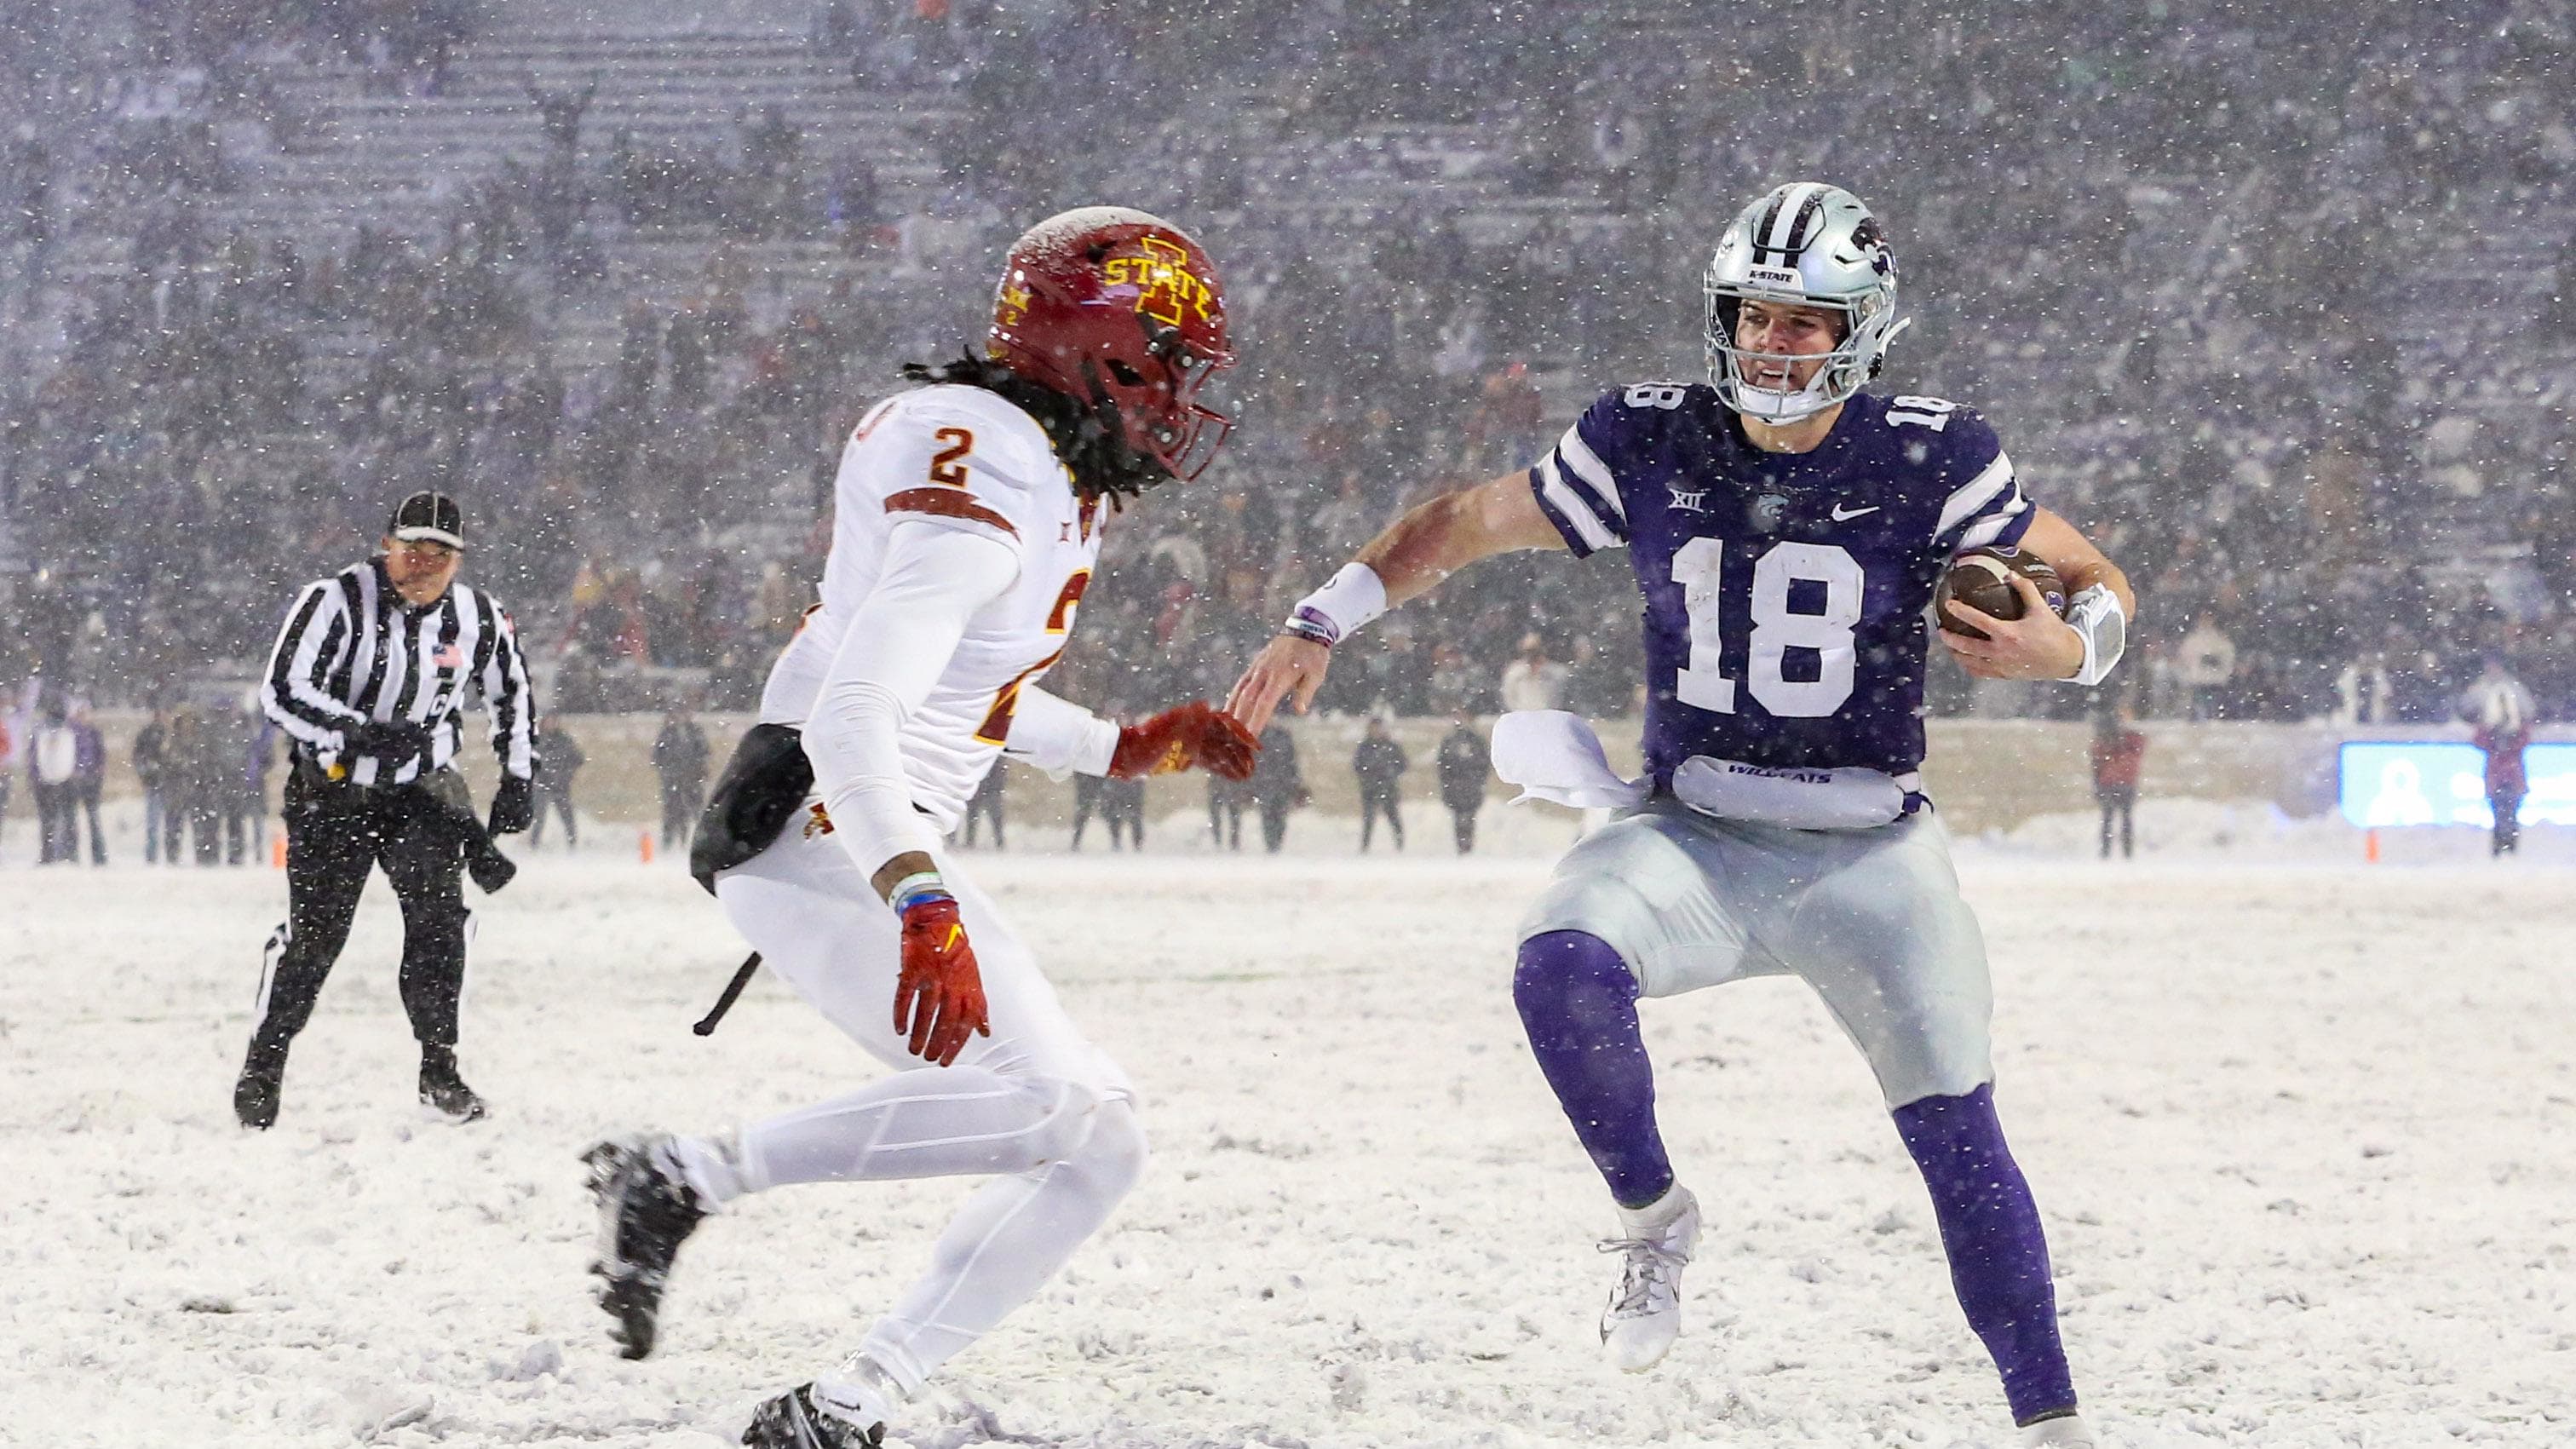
(969, 516)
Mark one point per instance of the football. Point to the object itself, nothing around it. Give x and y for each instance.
(1980, 579)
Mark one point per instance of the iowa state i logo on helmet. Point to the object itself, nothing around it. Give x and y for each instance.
(1165, 285)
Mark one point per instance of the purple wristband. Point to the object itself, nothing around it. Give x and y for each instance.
(1309, 622)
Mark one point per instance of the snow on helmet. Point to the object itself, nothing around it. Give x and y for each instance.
(1117, 307)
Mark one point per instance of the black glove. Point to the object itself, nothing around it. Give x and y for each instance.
(391, 742)
(514, 806)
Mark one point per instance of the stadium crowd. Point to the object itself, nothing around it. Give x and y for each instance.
(2192, 267)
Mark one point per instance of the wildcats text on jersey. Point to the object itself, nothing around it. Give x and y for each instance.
(1784, 592)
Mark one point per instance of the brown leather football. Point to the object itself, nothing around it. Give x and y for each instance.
(1979, 579)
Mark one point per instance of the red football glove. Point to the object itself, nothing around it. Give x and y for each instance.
(939, 999)
(1196, 733)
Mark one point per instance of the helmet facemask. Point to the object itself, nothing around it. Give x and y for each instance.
(1162, 416)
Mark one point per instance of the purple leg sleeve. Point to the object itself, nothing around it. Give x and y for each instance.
(1578, 1002)
(1998, 1258)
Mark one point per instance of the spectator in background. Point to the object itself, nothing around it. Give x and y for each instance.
(151, 766)
(986, 804)
(89, 778)
(561, 112)
(1086, 801)
(1226, 799)
(2207, 661)
(8, 765)
(1122, 803)
(1379, 763)
(680, 763)
(234, 749)
(185, 771)
(2501, 713)
(52, 753)
(1464, 762)
(559, 758)
(1533, 681)
(2118, 752)
(1598, 685)
(1277, 785)
(264, 735)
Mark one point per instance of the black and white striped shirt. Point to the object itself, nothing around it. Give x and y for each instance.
(353, 651)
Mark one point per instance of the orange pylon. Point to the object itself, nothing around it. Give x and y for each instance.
(277, 851)
(644, 845)
(2370, 846)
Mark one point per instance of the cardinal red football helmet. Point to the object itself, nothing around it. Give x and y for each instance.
(1109, 304)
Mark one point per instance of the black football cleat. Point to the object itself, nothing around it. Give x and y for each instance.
(255, 1091)
(794, 1421)
(442, 1090)
(646, 1210)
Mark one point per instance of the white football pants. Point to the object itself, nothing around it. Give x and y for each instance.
(1035, 1103)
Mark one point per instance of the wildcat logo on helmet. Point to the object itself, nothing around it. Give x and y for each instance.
(1163, 279)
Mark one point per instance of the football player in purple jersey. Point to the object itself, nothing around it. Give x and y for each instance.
(1786, 528)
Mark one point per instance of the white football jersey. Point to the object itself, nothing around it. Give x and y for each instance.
(960, 457)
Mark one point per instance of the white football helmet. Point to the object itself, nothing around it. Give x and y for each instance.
(1809, 245)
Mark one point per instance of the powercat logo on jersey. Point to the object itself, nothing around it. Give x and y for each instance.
(1165, 285)
(1780, 277)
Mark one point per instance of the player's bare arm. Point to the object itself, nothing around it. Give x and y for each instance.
(2039, 644)
(1429, 543)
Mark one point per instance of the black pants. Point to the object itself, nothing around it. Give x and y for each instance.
(558, 798)
(1122, 802)
(57, 824)
(1462, 825)
(1274, 823)
(335, 835)
(1086, 799)
(680, 809)
(2508, 824)
(87, 790)
(1225, 821)
(985, 805)
(2120, 801)
(1371, 802)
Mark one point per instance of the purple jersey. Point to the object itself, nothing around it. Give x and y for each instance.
(1785, 592)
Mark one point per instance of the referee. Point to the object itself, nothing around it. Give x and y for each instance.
(367, 680)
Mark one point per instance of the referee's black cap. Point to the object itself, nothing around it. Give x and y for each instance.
(431, 516)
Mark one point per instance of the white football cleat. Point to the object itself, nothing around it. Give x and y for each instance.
(1645, 1312)
(2066, 1431)
(859, 1394)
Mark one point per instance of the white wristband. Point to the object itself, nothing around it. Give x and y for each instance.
(2097, 619)
(1334, 612)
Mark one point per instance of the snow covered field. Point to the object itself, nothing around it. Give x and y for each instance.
(2302, 1133)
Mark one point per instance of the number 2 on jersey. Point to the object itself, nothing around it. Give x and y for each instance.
(948, 465)
(996, 728)
(1699, 566)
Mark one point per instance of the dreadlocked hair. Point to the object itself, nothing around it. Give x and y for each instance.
(1088, 439)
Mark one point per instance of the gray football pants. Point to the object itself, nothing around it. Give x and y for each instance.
(1872, 919)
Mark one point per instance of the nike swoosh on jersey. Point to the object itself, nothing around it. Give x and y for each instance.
(1842, 517)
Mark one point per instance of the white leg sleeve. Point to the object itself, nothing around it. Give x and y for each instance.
(1010, 1238)
(912, 1124)
(1036, 1104)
